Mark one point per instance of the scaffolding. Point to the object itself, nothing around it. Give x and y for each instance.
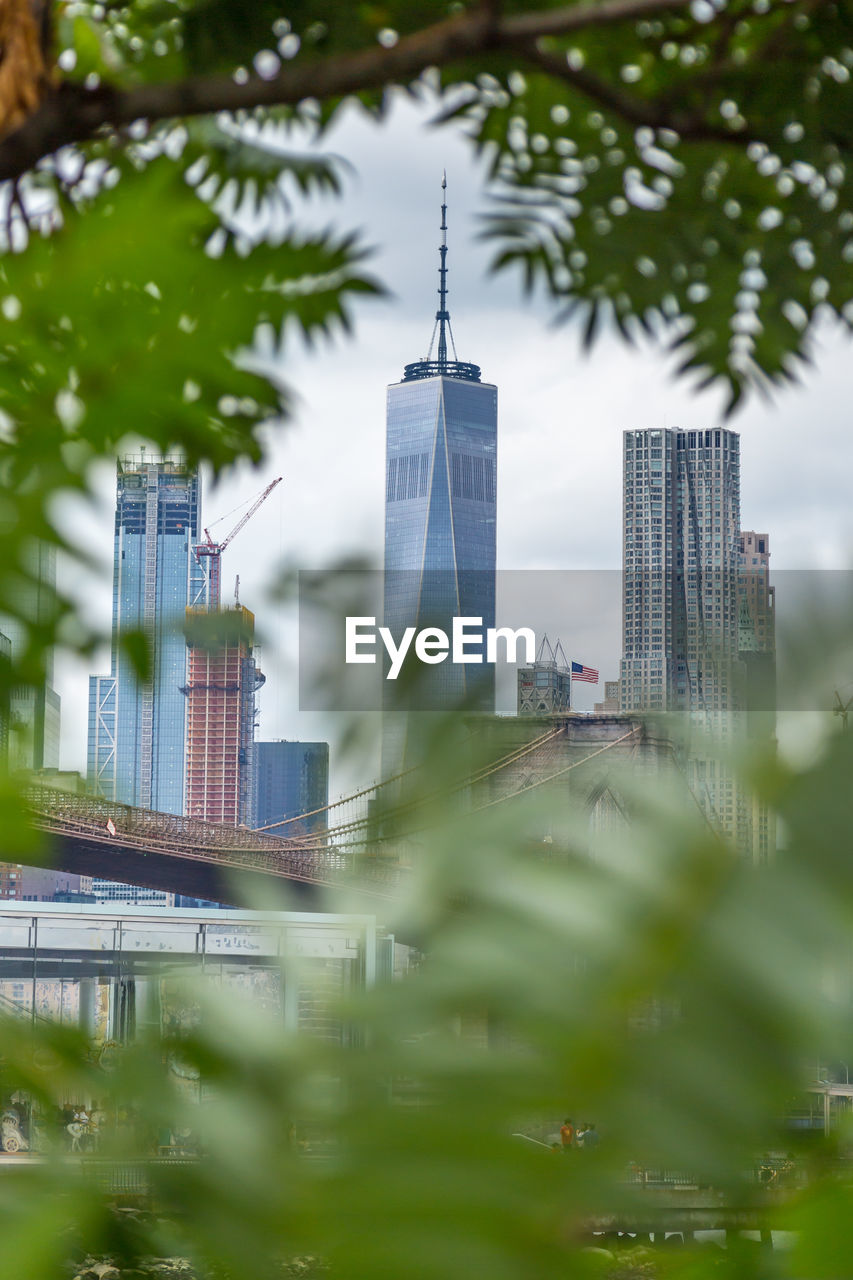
(223, 679)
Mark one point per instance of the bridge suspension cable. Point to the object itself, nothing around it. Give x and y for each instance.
(472, 779)
(541, 782)
(349, 830)
(512, 795)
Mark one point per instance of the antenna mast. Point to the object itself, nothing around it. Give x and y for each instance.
(443, 315)
(443, 365)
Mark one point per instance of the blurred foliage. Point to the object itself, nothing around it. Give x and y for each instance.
(735, 242)
(643, 978)
(144, 311)
(646, 169)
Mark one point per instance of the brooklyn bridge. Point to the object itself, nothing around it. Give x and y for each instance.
(362, 842)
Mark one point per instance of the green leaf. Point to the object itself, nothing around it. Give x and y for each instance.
(160, 348)
(261, 169)
(137, 648)
(120, 324)
(87, 46)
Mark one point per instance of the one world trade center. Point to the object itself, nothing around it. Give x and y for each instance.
(440, 506)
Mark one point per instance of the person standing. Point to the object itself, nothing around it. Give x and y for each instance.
(567, 1135)
(590, 1138)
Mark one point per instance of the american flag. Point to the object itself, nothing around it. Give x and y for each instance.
(580, 672)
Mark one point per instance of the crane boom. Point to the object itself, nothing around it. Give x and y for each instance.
(213, 550)
(244, 520)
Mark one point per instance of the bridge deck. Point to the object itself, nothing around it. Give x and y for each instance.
(199, 859)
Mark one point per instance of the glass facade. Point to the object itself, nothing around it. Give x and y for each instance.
(440, 517)
(440, 508)
(440, 511)
(291, 778)
(137, 728)
(697, 615)
(680, 583)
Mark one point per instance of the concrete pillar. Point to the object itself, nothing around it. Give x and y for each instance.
(147, 1005)
(88, 1006)
(291, 997)
(122, 1010)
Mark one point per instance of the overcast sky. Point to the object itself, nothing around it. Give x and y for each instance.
(561, 415)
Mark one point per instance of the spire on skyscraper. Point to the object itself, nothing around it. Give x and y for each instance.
(442, 316)
(429, 368)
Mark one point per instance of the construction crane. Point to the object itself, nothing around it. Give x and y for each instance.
(213, 550)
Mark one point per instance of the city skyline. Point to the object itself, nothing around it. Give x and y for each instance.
(562, 416)
(342, 1042)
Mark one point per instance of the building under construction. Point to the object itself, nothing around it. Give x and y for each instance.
(223, 679)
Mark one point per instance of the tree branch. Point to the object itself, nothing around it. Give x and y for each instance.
(72, 114)
(578, 17)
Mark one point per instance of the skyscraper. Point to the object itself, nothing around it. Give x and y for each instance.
(757, 654)
(291, 778)
(681, 603)
(440, 507)
(757, 613)
(698, 614)
(681, 556)
(137, 728)
(222, 681)
(609, 705)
